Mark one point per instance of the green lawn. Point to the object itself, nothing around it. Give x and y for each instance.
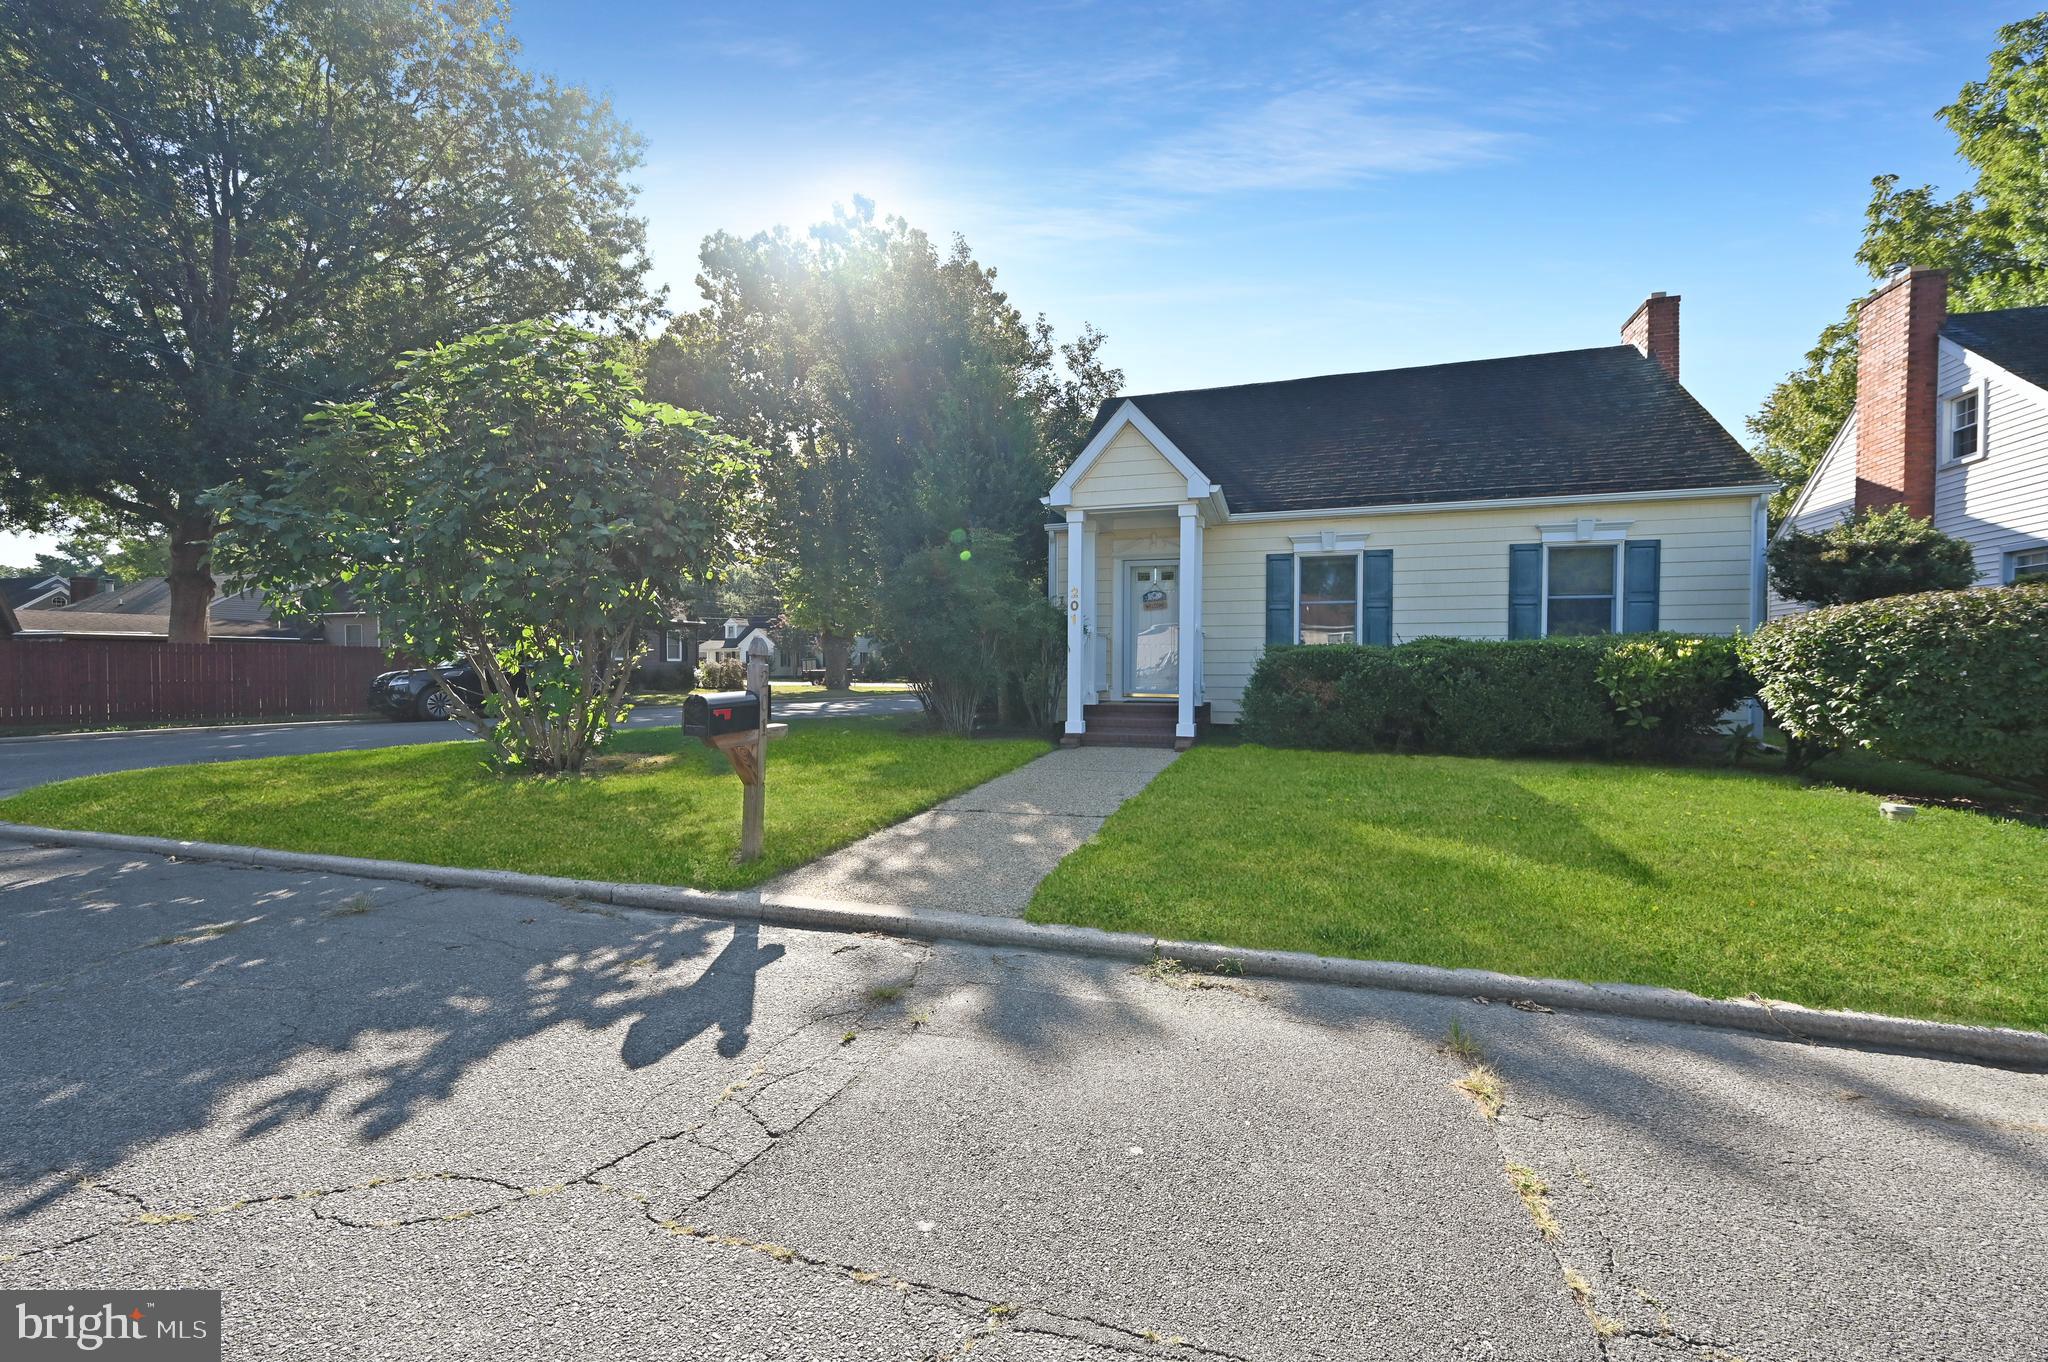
(1724, 882)
(659, 810)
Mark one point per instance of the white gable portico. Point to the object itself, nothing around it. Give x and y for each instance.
(1125, 564)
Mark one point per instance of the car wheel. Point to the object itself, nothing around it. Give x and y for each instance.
(434, 703)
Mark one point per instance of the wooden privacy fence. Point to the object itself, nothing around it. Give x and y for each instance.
(114, 680)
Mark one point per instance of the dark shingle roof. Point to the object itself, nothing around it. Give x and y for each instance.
(2013, 338)
(19, 590)
(144, 607)
(1576, 422)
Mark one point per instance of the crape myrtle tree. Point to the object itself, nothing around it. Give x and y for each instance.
(1992, 239)
(216, 214)
(905, 405)
(511, 498)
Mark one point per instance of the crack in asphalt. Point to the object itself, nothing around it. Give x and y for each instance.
(1606, 1328)
(984, 1317)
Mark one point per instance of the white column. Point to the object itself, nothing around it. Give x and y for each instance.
(1190, 619)
(1080, 604)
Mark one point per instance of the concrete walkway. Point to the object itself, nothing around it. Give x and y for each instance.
(985, 851)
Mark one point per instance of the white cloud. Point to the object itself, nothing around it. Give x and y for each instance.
(1314, 139)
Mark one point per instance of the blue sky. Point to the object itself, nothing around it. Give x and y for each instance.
(1243, 192)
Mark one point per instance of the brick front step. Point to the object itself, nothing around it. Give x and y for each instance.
(1135, 723)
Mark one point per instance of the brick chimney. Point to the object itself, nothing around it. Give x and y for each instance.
(1898, 341)
(1654, 331)
(81, 587)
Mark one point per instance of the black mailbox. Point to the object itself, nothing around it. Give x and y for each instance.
(721, 712)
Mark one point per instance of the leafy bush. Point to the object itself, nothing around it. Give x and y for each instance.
(1625, 693)
(1531, 695)
(730, 674)
(1869, 555)
(1669, 688)
(952, 621)
(1954, 679)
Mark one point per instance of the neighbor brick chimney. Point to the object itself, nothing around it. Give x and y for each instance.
(1898, 341)
(81, 587)
(1654, 331)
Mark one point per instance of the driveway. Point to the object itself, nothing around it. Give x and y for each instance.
(25, 762)
(392, 1123)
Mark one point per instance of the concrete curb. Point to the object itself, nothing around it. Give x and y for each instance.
(1786, 1021)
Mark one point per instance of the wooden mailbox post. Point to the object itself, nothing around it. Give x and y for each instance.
(746, 747)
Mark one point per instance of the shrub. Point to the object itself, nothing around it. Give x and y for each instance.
(1869, 555)
(1626, 693)
(1535, 696)
(1954, 679)
(961, 624)
(727, 675)
(1668, 690)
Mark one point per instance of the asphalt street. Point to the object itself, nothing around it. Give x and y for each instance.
(35, 761)
(390, 1122)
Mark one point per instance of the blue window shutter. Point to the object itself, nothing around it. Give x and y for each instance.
(1379, 596)
(1525, 590)
(1279, 598)
(1640, 572)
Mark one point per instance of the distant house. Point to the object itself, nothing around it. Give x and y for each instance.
(1951, 421)
(729, 643)
(48, 592)
(1576, 492)
(143, 610)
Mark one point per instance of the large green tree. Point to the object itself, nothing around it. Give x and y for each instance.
(1992, 239)
(215, 214)
(514, 499)
(902, 397)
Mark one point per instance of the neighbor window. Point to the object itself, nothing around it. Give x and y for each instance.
(1580, 584)
(2027, 565)
(352, 635)
(673, 645)
(1329, 598)
(1965, 429)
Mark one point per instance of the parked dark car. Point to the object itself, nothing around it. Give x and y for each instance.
(412, 694)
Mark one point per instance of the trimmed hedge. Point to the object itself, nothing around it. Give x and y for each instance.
(1625, 693)
(1954, 679)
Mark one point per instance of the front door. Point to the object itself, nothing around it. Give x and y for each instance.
(1151, 631)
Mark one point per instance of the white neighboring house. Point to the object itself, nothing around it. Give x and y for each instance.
(1583, 491)
(1951, 421)
(730, 643)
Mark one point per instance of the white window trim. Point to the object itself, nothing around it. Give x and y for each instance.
(2012, 560)
(1979, 389)
(1613, 545)
(672, 645)
(1352, 547)
(1584, 530)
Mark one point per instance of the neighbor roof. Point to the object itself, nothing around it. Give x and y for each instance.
(21, 590)
(1574, 422)
(145, 609)
(2013, 338)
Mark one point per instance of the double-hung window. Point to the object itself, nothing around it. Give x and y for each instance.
(1962, 426)
(2027, 565)
(1581, 589)
(672, 645)
(1328, 598)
